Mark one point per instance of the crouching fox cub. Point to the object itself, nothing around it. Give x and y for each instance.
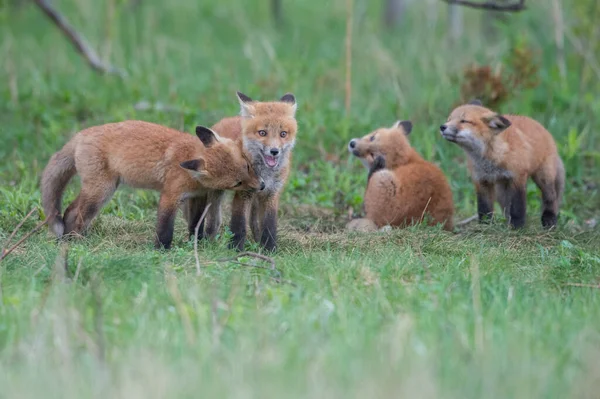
(503, 152)
(402, 187)
(142, 155)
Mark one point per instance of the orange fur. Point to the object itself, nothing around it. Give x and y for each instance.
(404, 188)
(504, 152)
(268, 133)
(143, 155)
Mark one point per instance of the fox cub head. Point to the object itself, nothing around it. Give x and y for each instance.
(390, 143)
(269, 128)
(221, 164)
(473, 127)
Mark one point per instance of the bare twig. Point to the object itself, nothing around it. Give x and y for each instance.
(278, 275)
(36, 228)
(77, 40)
(596, 286)
(467, 220)
(348, 94)
(77, 270)
(15, 232)
(490, 5)
(196, 238)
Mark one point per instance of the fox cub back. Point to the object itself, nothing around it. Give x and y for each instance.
(504, 151)
(402, 187)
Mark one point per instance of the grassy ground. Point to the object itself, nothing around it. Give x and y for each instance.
(482, 312)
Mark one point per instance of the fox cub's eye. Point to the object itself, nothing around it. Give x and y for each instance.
(464, 121)
(283, 134)
(262, 133)
(372, 138)
(248, 165)
(238, 184)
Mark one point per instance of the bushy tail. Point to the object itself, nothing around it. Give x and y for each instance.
(56, 176)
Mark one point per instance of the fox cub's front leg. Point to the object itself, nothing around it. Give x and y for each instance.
(239, 208)
(167, 210)
(267, 210)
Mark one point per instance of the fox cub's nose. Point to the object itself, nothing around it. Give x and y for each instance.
(443, 128)
(274, 151)
(352, 143)
(262, 184)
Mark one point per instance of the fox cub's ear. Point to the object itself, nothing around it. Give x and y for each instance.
(246, 108)
(194, 165)
(405, 125)
(207, 136)
(290, 99)
(496, 122)
(475, 101)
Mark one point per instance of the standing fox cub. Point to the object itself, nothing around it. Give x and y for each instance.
(402, 187)
(268, 133)
(142, 155)
(504, 151)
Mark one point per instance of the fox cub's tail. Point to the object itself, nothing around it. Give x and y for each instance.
(56, 176)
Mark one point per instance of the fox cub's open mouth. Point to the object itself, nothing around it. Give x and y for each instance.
(270, 161)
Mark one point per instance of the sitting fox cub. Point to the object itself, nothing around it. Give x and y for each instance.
(142, 155)
(504, 151)
(402, 187)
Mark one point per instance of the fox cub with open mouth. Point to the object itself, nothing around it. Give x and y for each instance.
(503, 152)
(402, 187)
(268, 133)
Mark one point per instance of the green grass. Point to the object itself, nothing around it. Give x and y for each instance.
(482, 312)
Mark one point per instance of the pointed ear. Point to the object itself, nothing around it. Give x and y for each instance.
(246, 108)
(195, 165)
(476, 101)
(207, 136)
(405, 125)
(496, 122)
(290, 99)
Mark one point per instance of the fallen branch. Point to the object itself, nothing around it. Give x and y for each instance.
(77, 40)
(490, 5)
(196, 238)
(467, 220)
(15, 231)
(6, 252)
(278, 275)
(597, 286)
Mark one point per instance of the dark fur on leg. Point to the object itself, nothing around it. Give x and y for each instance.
(485, 205)
(269, 233)
(238, 220)
(193, 212)
(518, 207)
(164, 227)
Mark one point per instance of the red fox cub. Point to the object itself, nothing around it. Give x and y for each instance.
(142, 155)
(503, 152)
(268, 133)
(402, 187)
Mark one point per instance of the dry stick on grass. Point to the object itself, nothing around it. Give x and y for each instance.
(348, 94)
(6, 252)
(278, 277)
(596, 286)
(467, 221)
(77, 40)
(196, 230)
(490, 5)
